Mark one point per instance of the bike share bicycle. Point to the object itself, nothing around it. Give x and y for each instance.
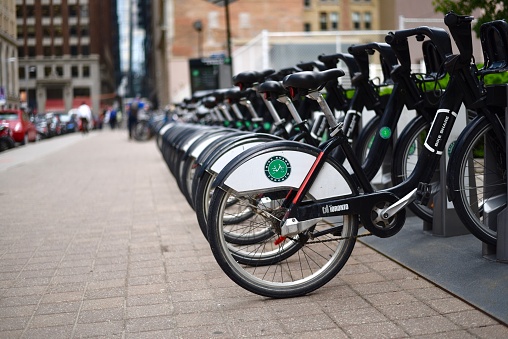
(305, 191)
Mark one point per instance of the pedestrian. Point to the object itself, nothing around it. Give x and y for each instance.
(133, 116)
(112, 118)
(85, 115)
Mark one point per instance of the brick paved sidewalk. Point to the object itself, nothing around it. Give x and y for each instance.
(97, 241)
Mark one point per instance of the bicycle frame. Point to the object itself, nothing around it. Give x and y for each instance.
(462, 88)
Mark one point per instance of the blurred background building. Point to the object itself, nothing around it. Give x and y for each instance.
(67, 53)
(9, 96)
(56, 53)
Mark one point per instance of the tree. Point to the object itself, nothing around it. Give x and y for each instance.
(490, 9)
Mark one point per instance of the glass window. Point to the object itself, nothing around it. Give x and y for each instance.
(58, 50)
(30, 31)
(46, 11)
(84, 30)
(84, 11)
(74, 71)
(31, 51)
(323, 21)
(32, 72)
(21, 72)
(85, 50)
(30, 11)
(81, 92)
(47, 51)
(334, 21)
(356, 20)
(57, 10)
(57, 31)
(73, 11)
(47, 71)
(306, 27)
(74, 50)
(306, 3)
(21, 52)
(367, 19)
(86, 71)
(59, 70)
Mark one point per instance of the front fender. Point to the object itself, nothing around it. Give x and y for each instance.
(249, 171)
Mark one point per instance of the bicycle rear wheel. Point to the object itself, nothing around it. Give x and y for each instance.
(278, 267)
(477, 178)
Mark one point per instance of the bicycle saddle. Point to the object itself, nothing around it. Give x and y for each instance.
(209, 102)
(250, 78)
(280, 74)
(311, 80)
(494, 39)
(272, 89)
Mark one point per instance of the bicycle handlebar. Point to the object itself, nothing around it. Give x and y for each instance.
(398, 41)
(460, 29)
(331, 61)
(387, 57)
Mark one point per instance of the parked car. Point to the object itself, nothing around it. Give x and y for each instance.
(54, 124)
(43, 126)
(23, 130)
(68, 122)
(6, 140)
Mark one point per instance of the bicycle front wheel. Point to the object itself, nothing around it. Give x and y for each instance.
(477, 178)
(405, 156)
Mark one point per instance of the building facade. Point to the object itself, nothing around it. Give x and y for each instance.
(9, 94)
(67, 53)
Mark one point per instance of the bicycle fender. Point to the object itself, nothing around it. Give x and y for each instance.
(254, 171)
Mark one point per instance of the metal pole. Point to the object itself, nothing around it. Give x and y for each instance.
(131, 30)
(228, 33)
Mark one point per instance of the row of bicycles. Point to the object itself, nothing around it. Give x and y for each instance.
(279, 168)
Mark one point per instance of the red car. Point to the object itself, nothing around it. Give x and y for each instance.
(23, 130)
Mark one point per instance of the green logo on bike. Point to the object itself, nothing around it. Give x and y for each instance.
(277, 168)
(385, 132)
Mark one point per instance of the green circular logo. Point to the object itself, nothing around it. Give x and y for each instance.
(277, 168)
(385, 132)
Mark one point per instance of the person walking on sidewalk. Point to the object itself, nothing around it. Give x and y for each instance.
(133, 116)
(85, 115)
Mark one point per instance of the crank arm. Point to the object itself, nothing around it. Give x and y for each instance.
(390, 211)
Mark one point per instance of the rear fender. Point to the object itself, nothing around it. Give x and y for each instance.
(249, 172)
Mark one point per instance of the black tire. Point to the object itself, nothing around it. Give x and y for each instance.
(293, 267)
(466, 170)
(365, 138)
(142, 131)
(408, 148)
(186, 177)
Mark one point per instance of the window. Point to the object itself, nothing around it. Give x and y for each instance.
(57, 31)
(85, 50)
(323, 21)
(84, 30)
(74, 71)
(31, 51)
(30, 31)
(59, 70)
(21, 52)
(57, 10)
(46, 51)
(356, 20)
(306, 3)
(47, 71)
(58, 50)
(73, 11)
(46, 11)
(30, 11)
(306, 27)
(367, 19)
(83, 11)
(81, 92)
(334, 21)
(86, 71)
(74, 50)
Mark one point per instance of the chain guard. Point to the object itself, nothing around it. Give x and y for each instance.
(375, 224)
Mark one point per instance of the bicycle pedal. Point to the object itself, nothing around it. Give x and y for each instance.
(423, 193)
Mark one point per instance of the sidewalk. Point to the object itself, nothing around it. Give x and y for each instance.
(97, 241)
